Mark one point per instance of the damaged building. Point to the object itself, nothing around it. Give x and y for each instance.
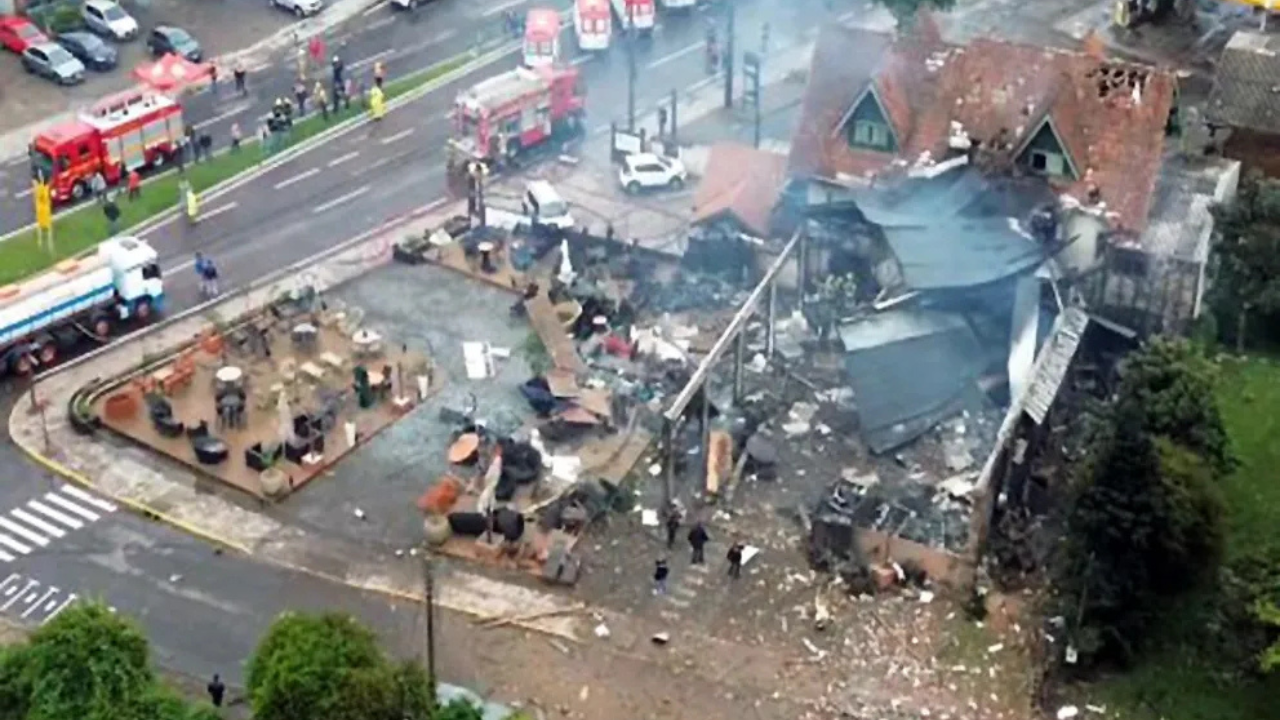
(1010, 220)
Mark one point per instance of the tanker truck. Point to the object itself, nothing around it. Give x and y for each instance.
(46, 316)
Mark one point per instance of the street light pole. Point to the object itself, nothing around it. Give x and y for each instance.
(631, 66)
(429, 607)
(728, 60)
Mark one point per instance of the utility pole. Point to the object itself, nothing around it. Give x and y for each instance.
(429, 607)
(631, 66)
(728, 59)
(751, 89)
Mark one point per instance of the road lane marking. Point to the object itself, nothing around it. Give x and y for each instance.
(379, 24)
(36, 605)
(371, 59)
(502, 8)
(6, 557)
(675, 55)
(22, 194)
(581, 60)
(338, 161)
(36, 522)
(374, 8)
(26, 534)
(97, 502)
(14, 545)
(57, 499)
(11, 578)
(222, 116)
(218, 211)
(341, 199)
(297, 178)
(61, 517)
(70, 599)
(16, 596)
(398, 136)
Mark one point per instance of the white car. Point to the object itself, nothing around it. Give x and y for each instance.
(106, 17)
(407, 4)
(644, 171)
(301, 8)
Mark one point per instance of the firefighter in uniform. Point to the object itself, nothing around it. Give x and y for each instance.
(377, 102)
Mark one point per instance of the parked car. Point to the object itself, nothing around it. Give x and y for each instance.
(52, 61)
(18, 33)
(301, 8)
(407, 4)
(108, 19)
(167, 39)
(643, 171)
(90, 50)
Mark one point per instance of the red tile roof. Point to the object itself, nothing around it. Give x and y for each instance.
(743, 183)
(1109, 115)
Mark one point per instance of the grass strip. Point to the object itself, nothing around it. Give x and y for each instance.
(81, 229)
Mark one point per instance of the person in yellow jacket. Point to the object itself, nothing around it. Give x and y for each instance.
(377, 103)
(193, 205)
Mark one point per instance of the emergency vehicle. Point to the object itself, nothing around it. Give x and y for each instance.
(678, 4)
(47, 315)
(541, 37)
(592, 24)
(640, 10)
(499, 118)
(132, 130)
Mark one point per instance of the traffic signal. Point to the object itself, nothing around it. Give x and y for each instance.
(751, 79)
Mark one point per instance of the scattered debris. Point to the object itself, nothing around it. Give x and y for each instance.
(602, 631)
(661, 638)
(1066, 712)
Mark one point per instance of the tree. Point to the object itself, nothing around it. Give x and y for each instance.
(906, 11)
(1269, 614)
(1145, 525)
(330, 666)
(1247, 248)
(1171, 383)
(88, 664)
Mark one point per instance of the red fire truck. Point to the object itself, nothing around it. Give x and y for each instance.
(132, 130)
(500, 118)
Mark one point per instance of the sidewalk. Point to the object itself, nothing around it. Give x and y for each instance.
(13, 144)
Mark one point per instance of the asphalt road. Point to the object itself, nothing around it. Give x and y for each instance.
(402, 41)
(204, 615)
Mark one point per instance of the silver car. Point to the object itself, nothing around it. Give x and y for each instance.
(301, 8)
(52, 61)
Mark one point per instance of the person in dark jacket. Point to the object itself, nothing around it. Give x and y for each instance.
(735, 559)
(673, 526)
(216, 691)
(660, 574)
(698, 541)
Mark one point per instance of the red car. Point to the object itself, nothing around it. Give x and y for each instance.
(18, 33)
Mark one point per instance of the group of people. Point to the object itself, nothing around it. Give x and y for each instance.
(698, 537)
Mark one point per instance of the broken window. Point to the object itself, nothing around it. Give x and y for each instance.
(1048, 163)
(1045, 154)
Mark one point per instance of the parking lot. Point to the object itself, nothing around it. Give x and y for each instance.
(220, 27)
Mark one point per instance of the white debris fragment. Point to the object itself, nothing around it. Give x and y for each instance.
(818, 654)
(748, 552)
(655, 469)
(926, 597)
(1066, 712)
(995, 648)
(1096, 709)
(757, 364)
(358, 513)
(649, 518)
(661, 638)
(602, 631)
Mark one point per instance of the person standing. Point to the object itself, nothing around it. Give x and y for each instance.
(134, 185)
(213, 79)
(211, 278)
(216, 691)
(236, 137)
(98, 186)
(198, 264)
(337, 68)
(673, 523)
(662, 122)
(698, 541)
(322, 100)
(193, 204)
(112, 213)
(300, 94)
(379, 73)
(735, 559)
(660, 574)
(240, 76)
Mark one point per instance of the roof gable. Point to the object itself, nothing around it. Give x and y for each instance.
(1108, 116)
(1045, 137)
(869, 103)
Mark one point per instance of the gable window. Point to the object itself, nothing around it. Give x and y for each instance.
(1045, 154)
(867, 126)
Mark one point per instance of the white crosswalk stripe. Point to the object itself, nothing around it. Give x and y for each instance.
(29, 600)
(44, 519)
